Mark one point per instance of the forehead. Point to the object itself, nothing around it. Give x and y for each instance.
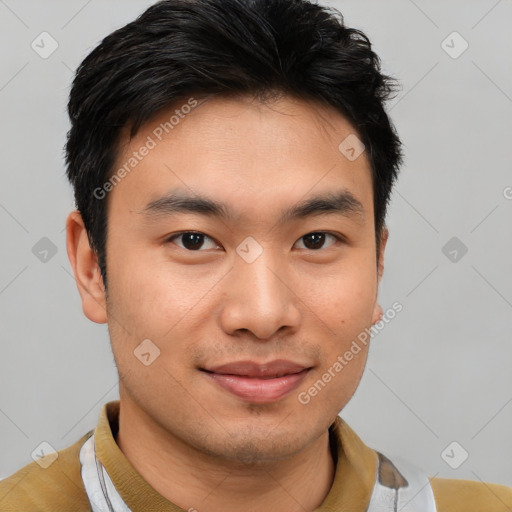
(243, 152)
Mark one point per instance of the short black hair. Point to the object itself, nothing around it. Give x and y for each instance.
(183, 48)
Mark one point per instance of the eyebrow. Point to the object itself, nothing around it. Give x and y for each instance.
(342, 203)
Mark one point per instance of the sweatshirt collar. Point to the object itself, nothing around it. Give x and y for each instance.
(354, 478)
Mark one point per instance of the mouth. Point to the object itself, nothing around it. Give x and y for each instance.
(258, 383)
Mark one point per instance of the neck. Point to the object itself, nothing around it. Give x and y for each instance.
(194, 480)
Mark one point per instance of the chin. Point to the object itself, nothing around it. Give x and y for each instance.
(253, 448)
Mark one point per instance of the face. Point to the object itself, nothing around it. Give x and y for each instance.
(211, 257)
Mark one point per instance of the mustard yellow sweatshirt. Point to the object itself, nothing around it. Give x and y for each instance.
(59, 487)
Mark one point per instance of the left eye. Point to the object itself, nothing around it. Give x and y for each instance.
(316, 240)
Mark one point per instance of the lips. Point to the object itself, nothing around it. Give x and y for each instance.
(272, 369)
(259, 383)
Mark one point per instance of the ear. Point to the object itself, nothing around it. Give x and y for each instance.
(86, 269)
(377, 310)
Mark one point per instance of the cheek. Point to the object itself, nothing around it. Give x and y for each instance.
(151, 295)
(344, 304)
(138, 300)
(333, 384)
(345, 297)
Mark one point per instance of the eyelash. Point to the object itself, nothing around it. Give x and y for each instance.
(339, 238)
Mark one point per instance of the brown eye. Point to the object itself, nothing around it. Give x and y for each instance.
(192, 241)
(316, 240)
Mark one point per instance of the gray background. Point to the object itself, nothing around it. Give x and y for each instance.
(438, 373)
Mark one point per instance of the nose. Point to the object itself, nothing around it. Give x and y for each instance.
(259, 298)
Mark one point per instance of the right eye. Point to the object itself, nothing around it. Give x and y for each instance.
(191, 240)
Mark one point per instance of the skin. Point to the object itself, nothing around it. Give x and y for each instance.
(194, 442)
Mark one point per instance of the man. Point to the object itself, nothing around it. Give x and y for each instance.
(232, 163)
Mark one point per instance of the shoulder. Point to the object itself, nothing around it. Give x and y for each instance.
(35, 488)
(470, 496)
